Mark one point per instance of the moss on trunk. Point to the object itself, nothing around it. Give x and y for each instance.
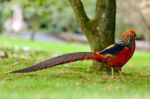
(100, 30)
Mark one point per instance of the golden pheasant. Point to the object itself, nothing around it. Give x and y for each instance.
(115, 55)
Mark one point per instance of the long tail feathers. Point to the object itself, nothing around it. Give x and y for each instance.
(66, 58)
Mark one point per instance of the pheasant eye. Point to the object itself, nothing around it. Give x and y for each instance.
(123, 34)
(133, 35)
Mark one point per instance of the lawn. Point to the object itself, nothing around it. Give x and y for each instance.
(69, 81)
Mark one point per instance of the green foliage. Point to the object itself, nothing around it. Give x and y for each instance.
(51, 15)
(62, 18)
(1, 17)
(63, 82)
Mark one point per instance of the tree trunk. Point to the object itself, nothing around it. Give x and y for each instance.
(1, 27)
(100, 30)
(34, 26)
(2, 4)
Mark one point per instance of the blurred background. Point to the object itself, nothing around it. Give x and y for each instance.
(54, 20)
(35, 30)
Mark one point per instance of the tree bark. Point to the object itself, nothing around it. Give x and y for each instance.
(101, 29)
(1, 27)
(1, 19)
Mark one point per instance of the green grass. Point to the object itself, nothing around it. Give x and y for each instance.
(40, 45)
(71, 81)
